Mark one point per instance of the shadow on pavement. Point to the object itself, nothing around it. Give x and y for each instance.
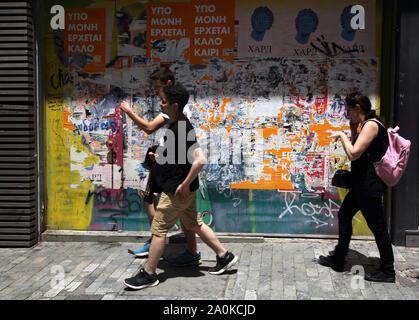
(169, 271)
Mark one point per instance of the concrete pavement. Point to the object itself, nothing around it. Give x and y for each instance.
(270, 269)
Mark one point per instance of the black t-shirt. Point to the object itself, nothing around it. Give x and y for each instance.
(172, 164)
(364, 176)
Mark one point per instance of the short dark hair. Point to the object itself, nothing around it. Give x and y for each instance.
(177, 94)
(163, 74)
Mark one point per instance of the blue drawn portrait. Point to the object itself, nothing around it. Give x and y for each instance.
(345, 20)
(262, 20)
(306, 23)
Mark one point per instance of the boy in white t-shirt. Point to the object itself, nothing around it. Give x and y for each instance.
(161, 78)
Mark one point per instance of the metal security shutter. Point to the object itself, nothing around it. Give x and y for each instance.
(18, 165)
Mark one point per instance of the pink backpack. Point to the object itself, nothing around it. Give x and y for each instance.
(392, 165)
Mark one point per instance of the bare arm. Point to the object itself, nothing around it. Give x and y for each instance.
(148, 127)
(367, 134)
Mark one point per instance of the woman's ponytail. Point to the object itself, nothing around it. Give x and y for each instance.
(371, 115)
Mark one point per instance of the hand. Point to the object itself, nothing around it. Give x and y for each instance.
(183, 191)
(153, 156)
(334, 134)
(124, 106)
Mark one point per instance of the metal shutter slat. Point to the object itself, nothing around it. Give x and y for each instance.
(18, 218)
(12, 92)
(16, 179)
(16, 224)
(21, 85)
(15, 133)
(10, 80)
(16, 107)
(10, 39)
(16, 65)
(17, 211)
(17, 140)
(16, 73)
(16, 45)
(17, 230)
(17, 205)
(17, 198)
(15, 99)
(15, 4)
(14, 126)
(18, 244)
(15, 25)
(4, 192)
(10, 30)
(15, 12)
(14, 238)
(16, 159)
(19, 152)
(15, 52)
(17, 19)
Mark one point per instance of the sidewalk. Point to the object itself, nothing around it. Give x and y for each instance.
(274, 269)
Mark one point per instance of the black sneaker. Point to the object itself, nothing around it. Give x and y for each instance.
(224, 264)
(380, 276)
(142, 280)
(330, 261)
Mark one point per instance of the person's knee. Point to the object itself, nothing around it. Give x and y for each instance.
(377, 228)
(343, 216)
(158, 237)
(195, 229)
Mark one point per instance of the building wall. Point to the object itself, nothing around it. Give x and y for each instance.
(265, 87)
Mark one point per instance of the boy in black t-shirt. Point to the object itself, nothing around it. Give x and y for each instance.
(191, 256)
(178, 163)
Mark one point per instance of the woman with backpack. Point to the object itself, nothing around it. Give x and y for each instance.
(367, 146)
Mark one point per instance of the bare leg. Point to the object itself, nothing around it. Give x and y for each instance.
(190, 237)
(150, 208)
(155, 253)
(209, 237)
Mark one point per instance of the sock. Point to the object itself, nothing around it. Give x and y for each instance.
(192, 253)
(224, 255)
(150, 274)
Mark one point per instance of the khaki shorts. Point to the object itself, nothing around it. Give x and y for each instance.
(170, 209)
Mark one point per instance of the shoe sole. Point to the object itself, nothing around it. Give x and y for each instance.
(226, 268)
(155, 283)
(385, 281)
(332, 267)
(140, 255)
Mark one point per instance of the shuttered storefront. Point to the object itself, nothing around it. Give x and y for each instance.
(18, 164)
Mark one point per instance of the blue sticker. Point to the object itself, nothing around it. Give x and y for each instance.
(306, 22)
(262, 20)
